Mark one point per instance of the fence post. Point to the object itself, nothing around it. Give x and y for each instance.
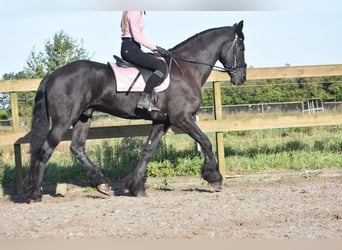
(17, 147)
(18, 168)
(15, 111)
(219, 135)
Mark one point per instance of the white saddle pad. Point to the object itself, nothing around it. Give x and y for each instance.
(125, 76)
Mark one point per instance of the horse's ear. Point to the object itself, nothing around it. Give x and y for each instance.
(240, 25)
(238, 29)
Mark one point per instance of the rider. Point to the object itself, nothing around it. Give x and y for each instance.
(132, 26)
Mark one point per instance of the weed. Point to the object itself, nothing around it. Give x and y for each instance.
(89, 190)
(163, 185)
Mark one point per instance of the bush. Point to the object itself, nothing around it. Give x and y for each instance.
(4, 114)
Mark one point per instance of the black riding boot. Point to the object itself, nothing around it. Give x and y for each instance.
(145, 102)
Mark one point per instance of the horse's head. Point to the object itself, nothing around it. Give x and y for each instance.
(234, 59)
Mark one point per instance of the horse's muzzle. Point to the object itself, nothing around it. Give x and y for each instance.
(238, 80)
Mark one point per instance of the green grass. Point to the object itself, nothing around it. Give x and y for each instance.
(276, 150)
(283, 150)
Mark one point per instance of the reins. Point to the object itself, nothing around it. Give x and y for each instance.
(196, 62)
(222, 69)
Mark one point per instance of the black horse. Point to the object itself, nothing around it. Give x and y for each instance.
(69, 95)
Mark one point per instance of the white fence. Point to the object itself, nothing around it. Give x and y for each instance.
(275, 108)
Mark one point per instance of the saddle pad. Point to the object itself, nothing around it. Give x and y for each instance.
(125, 76)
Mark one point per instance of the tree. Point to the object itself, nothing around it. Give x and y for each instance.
(4, 101)
(58, 51)
(278, 90)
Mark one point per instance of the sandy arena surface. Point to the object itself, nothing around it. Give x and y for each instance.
(306, 206)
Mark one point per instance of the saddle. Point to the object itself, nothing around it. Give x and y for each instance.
(132, 78)
(122, 63)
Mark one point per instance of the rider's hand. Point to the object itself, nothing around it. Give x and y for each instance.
(156, 53)
(163, 52)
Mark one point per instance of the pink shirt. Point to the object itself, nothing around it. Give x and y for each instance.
(135, 28)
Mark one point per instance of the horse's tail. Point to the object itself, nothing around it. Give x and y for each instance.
(40, 120)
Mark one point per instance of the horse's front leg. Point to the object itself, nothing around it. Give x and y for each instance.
(135, 181)
(210, 171)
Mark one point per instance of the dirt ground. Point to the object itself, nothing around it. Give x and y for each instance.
(304, 206)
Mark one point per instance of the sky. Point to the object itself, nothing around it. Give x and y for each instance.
(304, 33)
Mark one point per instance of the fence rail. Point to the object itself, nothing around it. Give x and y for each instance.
(218, 125)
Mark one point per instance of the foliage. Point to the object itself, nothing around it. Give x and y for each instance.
(283, 149)
(4, 101)
(4, 114)
(275, 150)
(58, 51)
(278, 90)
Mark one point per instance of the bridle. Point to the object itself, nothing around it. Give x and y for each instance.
(231, 69)
(235, 65)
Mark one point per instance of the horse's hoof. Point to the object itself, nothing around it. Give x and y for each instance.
(134, 190)
(104, 189)
(217, 186)
(140, 193)
(35, 197)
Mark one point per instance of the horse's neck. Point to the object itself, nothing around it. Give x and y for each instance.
(201, 54)
(200, 59)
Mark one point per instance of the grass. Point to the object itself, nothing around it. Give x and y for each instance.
(284, 150)
(275, 150)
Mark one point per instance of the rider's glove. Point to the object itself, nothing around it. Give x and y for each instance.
(163, 52)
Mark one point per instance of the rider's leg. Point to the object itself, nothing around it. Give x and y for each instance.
(131, 51)
(145, 101)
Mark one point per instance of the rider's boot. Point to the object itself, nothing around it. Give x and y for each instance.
(145, 102)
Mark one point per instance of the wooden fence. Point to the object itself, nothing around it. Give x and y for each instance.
(218, 125)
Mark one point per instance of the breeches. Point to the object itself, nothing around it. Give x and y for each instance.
(131, 52)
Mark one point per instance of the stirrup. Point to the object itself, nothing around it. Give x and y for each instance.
(153, 108)
(146, 102)
(149, 108)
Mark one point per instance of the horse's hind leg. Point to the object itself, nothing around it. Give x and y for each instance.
(32, 184)
(136, 179)
(77, 147)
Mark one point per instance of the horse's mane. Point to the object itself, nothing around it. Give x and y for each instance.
(195, 37)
